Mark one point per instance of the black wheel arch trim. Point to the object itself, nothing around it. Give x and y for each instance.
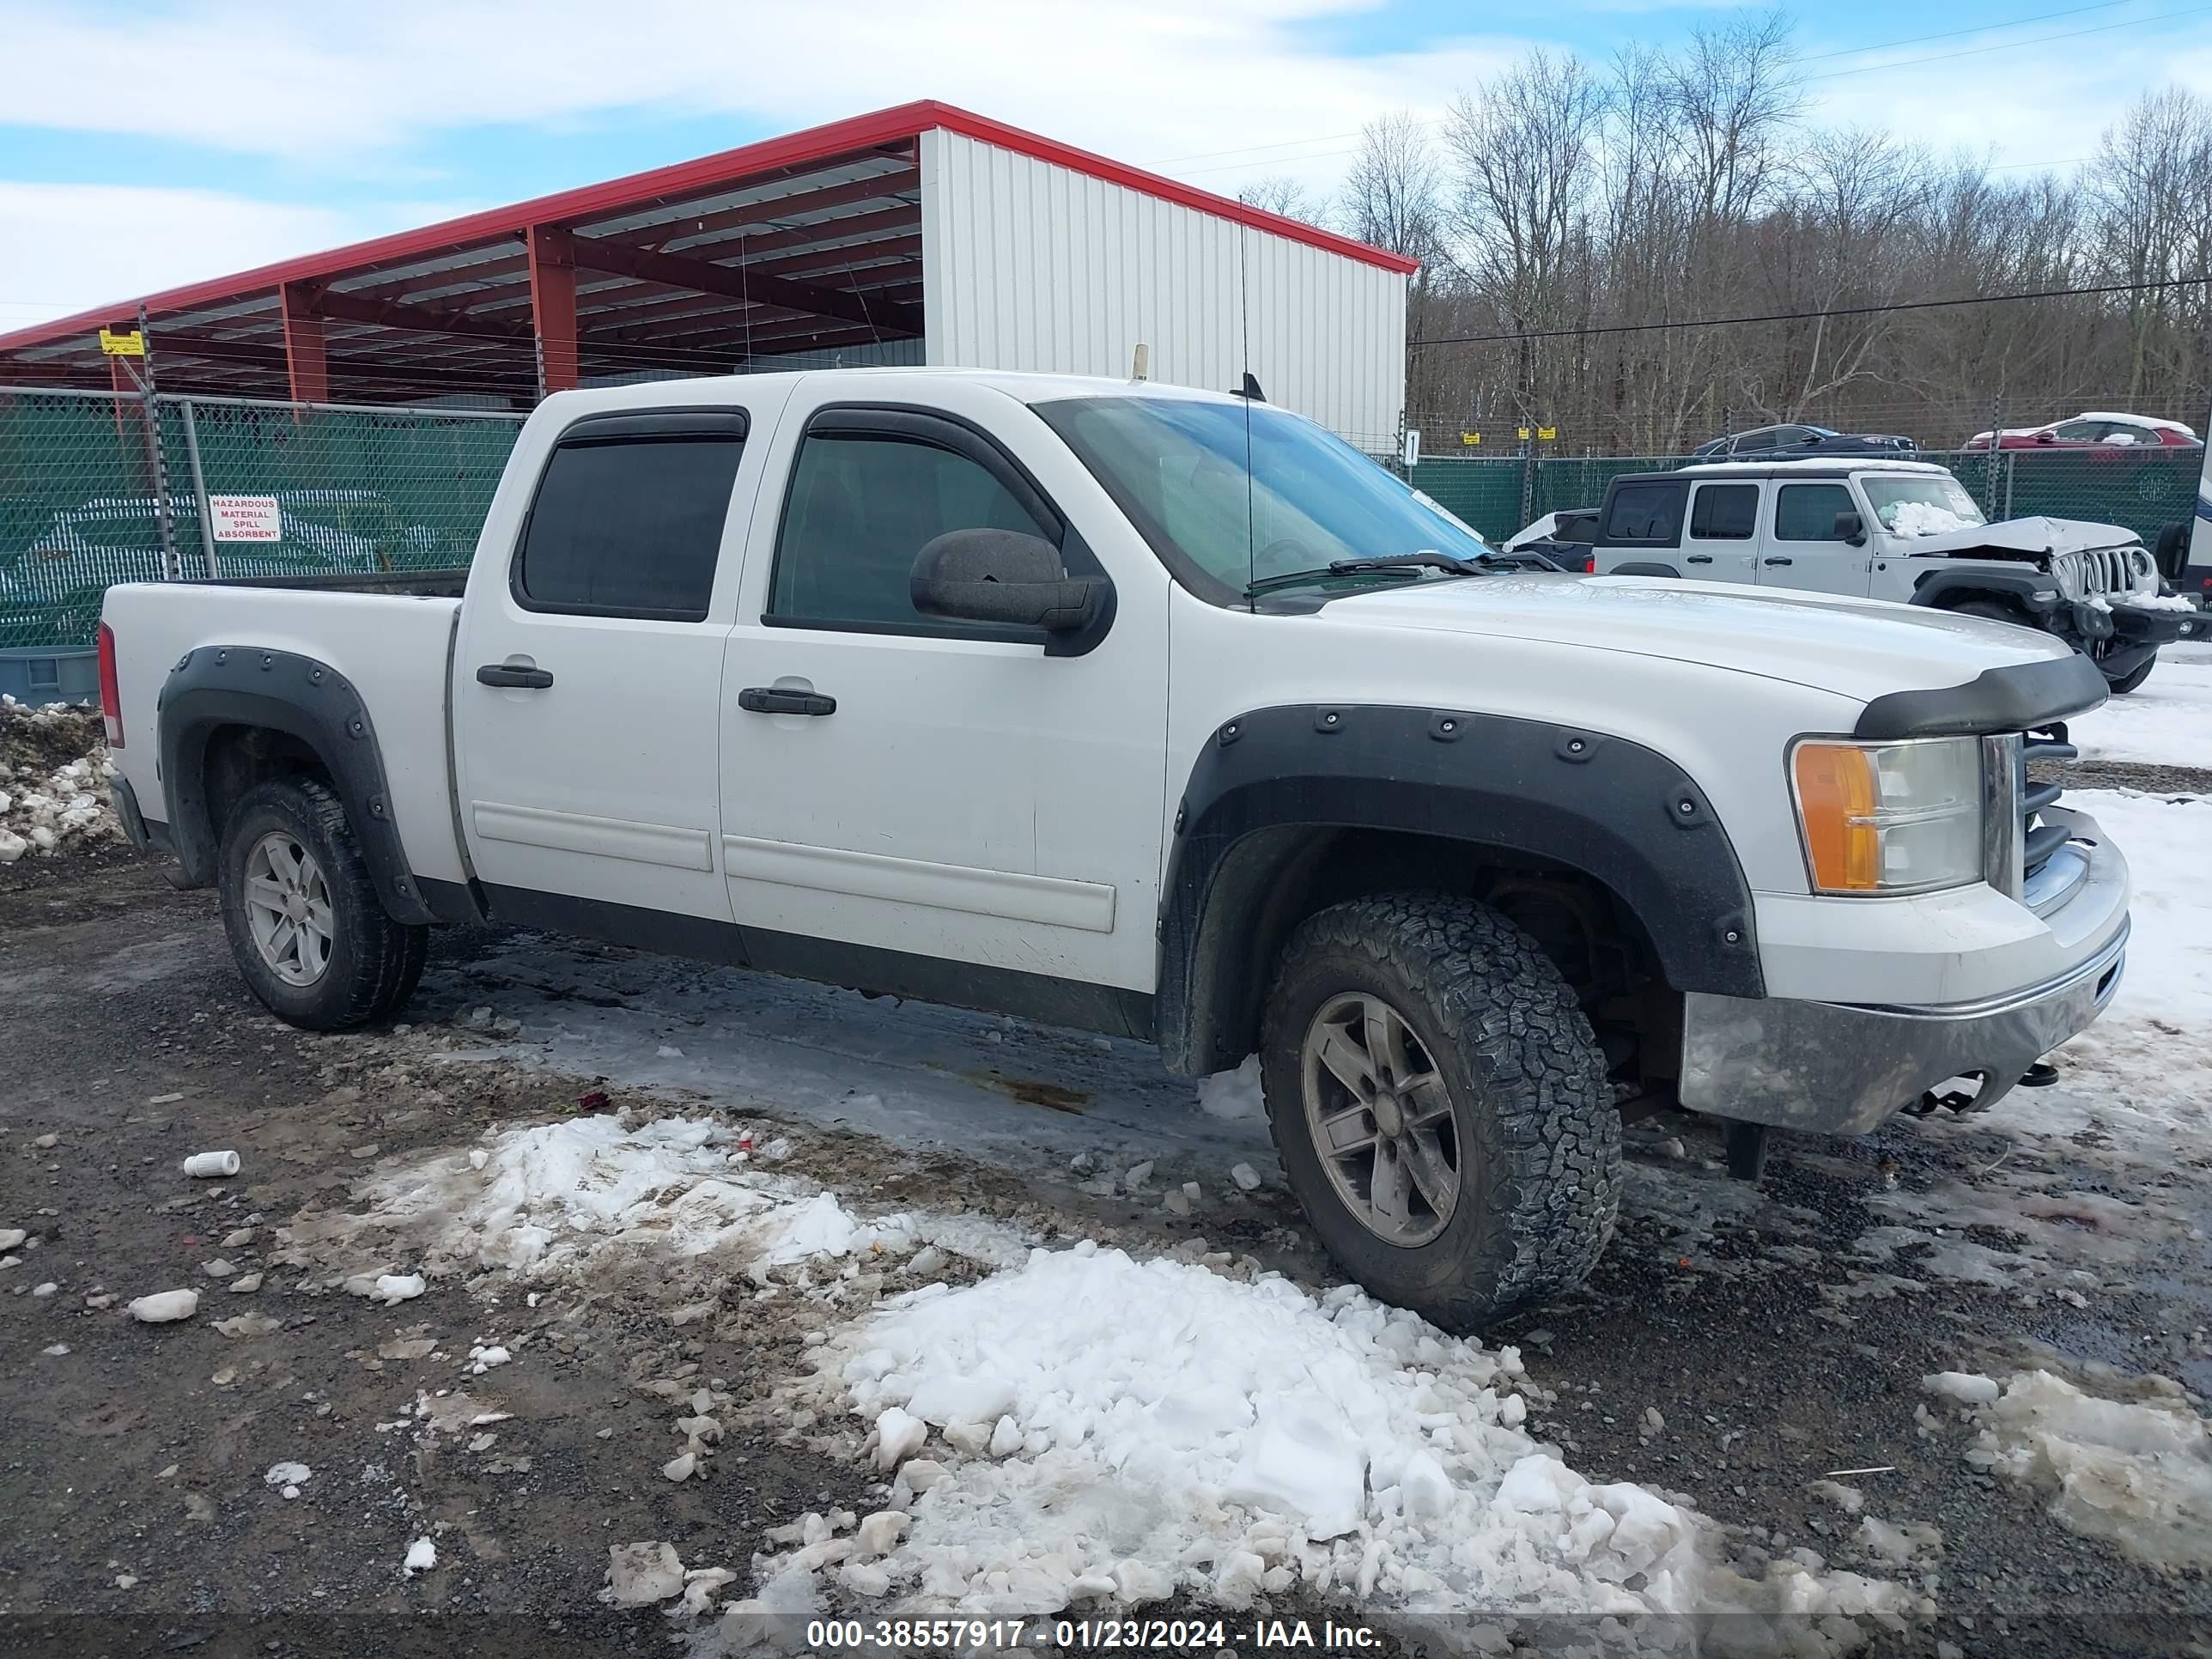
(2018, 697)
(213, 686)
(1619, 812)
(1644, 567)
(2031, 589)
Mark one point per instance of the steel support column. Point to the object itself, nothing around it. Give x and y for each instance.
(553, 305)
(304, 358)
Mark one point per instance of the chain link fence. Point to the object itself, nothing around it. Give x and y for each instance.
(99, 487)
(2143, 490)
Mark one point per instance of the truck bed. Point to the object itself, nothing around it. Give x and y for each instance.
(389, 634)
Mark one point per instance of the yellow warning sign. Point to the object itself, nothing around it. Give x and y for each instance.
(1521, 432)
(113, 345)
(1546, 433)
(1470, 437)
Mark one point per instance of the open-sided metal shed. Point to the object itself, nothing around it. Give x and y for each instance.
(919, 234)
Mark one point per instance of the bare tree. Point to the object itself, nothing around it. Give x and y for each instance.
(1280, 193)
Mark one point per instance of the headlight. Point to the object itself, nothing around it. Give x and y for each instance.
(1889, 818)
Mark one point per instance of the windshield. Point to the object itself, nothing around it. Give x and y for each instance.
(1920, 503)
(1177, 466)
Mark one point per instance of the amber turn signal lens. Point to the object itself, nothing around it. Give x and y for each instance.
(1838, 795)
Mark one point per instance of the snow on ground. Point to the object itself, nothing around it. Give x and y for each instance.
(45, 804)
(1150, 1427)
(917, 1074)
(548, 1201)
(2138, 1472)
(2167, 721)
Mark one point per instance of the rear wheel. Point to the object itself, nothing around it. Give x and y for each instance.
(306, 925)
(1441, 1106)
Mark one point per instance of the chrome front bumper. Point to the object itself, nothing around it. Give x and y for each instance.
(1845, 1068)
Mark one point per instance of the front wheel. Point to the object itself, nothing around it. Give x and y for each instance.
(300, 909)
(1441, 1106)
(2134, 676)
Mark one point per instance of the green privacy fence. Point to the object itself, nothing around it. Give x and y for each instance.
(2143, 490)
(97, 488)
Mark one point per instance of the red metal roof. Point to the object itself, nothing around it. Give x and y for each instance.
(243, 303)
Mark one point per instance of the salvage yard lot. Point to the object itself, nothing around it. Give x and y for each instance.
(703, 1258)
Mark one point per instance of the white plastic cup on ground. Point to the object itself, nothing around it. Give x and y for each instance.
(209, 1166)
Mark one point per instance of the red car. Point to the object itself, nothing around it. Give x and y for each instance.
(2103, 433)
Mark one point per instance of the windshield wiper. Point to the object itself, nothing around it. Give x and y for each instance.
(1426, 559)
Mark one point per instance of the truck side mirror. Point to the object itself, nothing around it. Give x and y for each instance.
(1006, 577)
(1851, 528)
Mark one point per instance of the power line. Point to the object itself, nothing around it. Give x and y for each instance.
(1809, 316)
(1953, 34)
(2007, 46)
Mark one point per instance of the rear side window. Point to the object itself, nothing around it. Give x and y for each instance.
(1649, 513)
(1724, 513)
(1807, 512)
(629, 523)
(862, 505)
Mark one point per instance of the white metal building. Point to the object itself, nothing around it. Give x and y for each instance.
(923, 233)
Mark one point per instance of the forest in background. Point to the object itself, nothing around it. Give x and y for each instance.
(1565, 203)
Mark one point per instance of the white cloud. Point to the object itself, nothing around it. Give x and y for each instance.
(1134, 77)
(70, 246)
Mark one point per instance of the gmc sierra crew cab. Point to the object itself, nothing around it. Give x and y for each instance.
(1165, 714)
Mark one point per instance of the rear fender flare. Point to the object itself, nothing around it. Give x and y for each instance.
(213, 686)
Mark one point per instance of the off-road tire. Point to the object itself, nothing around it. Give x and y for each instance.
(375, 962)
(1539, 1136)
(2134, 678)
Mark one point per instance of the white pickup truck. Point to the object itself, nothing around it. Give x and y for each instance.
(1166, 714)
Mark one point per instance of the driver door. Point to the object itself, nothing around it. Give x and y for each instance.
(1801, 547)
(950, 793)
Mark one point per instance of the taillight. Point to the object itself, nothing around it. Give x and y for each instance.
(111, 697)
(1590, 564)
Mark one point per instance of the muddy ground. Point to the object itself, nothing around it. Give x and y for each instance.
(134, 1462)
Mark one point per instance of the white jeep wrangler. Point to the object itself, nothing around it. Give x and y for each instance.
(1898, 530)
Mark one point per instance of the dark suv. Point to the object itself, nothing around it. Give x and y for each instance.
(1783, 443)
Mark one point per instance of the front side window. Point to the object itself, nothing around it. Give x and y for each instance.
(1920, 503)
(862, 505)
(1724, 513)
(1229, 495)
(1807, 512)
(2077, 431)
(628, 527)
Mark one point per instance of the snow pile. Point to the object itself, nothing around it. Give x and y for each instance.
(2153, 601)
(2138, 1474)
(47, 801)
(1924, 519)
(1233, 1094)
(1121, 1430)
(542, 1200)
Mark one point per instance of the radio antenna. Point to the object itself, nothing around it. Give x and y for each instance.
(1244, 320)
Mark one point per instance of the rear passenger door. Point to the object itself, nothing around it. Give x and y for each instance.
(1641, 531)
(1722, 543)
(588, 670)
(1802, 548)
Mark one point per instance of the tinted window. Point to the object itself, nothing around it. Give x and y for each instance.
(1645, 512)
(1724, 513)
(628, 528)
(2078, 431)
(1807, 513)
(860, 508)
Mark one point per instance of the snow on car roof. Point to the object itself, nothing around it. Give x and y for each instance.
(1828, 464)
(2150, 420)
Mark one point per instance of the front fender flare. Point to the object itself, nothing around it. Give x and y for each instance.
(218, 685)
(1622, 814)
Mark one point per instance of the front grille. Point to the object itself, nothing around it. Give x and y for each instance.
(2098, 570)
(2025, 851)
(2038, 838)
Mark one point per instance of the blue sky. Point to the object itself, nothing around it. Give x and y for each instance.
(228, 134)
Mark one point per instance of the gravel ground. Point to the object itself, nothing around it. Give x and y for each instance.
(1773, 1353)
(2129, 775)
